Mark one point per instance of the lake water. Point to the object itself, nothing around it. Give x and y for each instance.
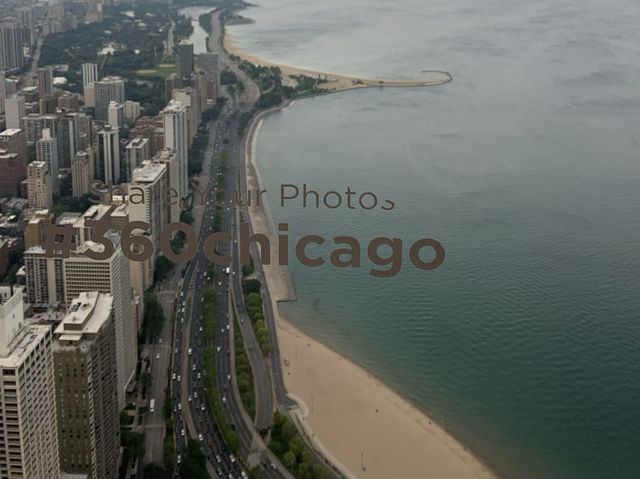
(526, 342)
(199, 35)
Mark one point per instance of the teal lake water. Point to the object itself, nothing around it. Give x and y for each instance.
(526, 342)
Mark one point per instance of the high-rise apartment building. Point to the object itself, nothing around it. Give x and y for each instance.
(45, 284)
(3, 90)
(176, 137)
(28, 444)
(110, 276)
(39, 186)
(137, 151)
(13, 161)
(185, 58)
(47, 152)
(108, 164)
(11, 46)
(45, 82)
(84, 358)
(168, 157)
(148, 193)
(15, 108)
(107, 90)
(82, 172)
(209, 64)
(115, 115)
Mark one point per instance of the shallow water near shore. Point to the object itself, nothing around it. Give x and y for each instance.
(525, 342)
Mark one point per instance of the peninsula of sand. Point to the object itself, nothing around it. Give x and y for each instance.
(329, 82)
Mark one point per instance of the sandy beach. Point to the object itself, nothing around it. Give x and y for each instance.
(336, 82)
(354, 417)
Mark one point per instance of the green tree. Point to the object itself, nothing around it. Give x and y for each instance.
(289, 460)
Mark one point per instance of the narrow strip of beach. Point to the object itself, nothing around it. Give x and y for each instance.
(334, 81)
(360, 423)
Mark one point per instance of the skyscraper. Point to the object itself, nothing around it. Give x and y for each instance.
(185, 59)
(107, 90)
(89, 74)
(81, 172)
(29, 445)
(3, 90)
(148, 193)
(15, 108)
(115, 115)
(39, 186)
(168, 157)
(175, 137)
(110, 276)
(47, 152)
(84, 356)
(137, 152)
(11, 45)
(13, 162)
(209, 64)
(45, 82)
(108, 165)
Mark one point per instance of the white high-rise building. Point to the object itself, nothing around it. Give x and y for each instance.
(15, 108)
(108, 165)
(29, 444)
(89, 74)
(147, 198)
(115, 115)
(176, 137)
(47, 151)
(110, 276)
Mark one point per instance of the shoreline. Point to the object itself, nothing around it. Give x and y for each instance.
(340, 404)
(336, 82)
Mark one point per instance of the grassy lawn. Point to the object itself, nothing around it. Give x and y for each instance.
(163, 70)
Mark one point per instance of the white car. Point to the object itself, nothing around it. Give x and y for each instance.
(189, 398)
(189, 352)
(173, 376)
(200, 438)
(158, 356)
(182, 432)
(224, 399)
(193, 368)
(218, 349)
(179, 378)
(179, 406)
(202, 407)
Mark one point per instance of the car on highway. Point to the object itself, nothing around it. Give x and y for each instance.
(224, 399)
(157, 355)
(182, 432)
(179, 406)
(189, 352)
(179, 377)
(218, 349)
(232, 458)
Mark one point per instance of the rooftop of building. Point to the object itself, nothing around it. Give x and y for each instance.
(148, 172)
(86, 315)
(23, 344)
